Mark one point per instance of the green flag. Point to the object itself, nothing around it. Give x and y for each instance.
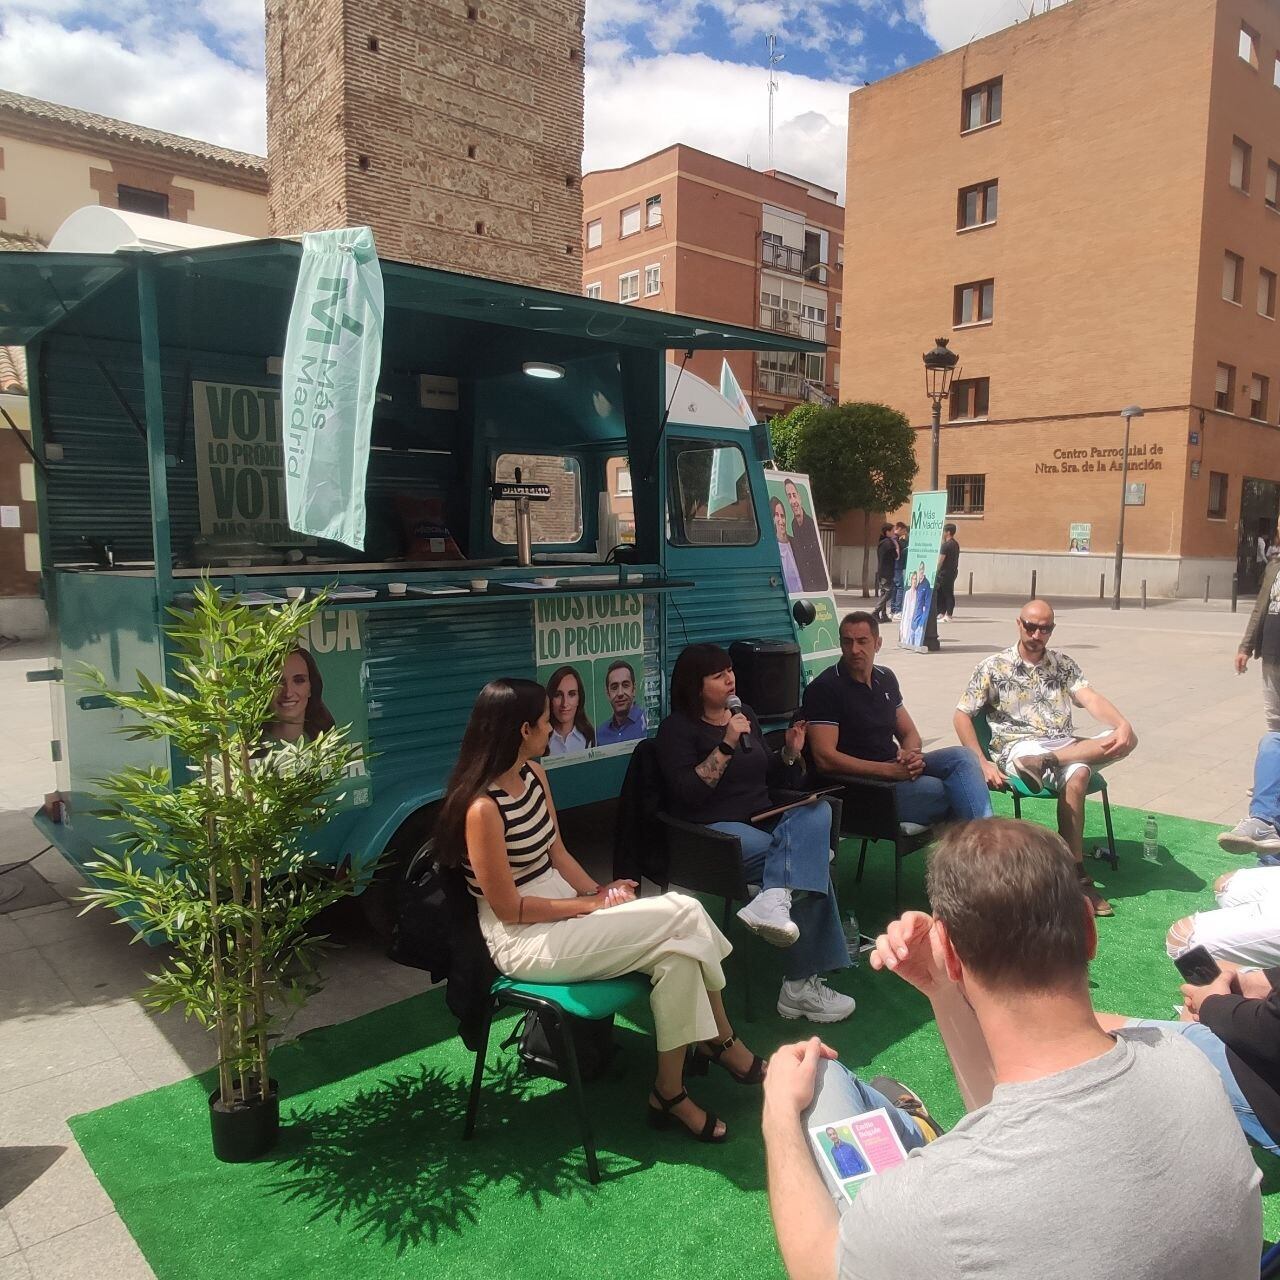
(332, 356)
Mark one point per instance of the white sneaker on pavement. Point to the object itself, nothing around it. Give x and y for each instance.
(811, 998)
(769, 915)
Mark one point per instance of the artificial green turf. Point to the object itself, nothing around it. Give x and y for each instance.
(371, 1177)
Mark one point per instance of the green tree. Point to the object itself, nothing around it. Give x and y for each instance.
(785, 431)
(858, 456)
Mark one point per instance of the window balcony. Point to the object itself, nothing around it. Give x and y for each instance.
(794, 262)
(783, 320)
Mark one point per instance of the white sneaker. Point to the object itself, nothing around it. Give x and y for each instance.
(811, 998)
(769, 915)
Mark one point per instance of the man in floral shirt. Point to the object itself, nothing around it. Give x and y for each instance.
(1027, 694)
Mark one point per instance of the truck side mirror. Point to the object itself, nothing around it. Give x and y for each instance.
(803, 612)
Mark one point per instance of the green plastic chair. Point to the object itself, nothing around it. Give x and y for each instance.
(554, 1002)
(1020, 791)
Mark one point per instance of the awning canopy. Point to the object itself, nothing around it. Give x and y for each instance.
(255, 279)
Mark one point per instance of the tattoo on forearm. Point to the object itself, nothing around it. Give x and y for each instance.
(711, 770)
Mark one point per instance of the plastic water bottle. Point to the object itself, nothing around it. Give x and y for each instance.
(1150, 840)
(853, 936)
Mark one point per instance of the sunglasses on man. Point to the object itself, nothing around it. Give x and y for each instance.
(1045, 628)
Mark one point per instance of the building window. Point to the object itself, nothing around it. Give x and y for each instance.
(711, 501)
(835, 375)
(1224, 391)
(1259, 393)
(629, 286)
(135, 200)
(557, 522)
(1266, 293)
(974, 303)
(840, 255)
(1232, 276)
(1241, 163)
(839, 306)
(653, 211)
(1217, 495)
(629, 221)
(1273, 185)
(815, 367)
(1248, 48)
(970, 398)
(592, 290)
(652, 279)
(595, 233)
(1275, 73)
(977, 205)
(966, 495)
(981, 105)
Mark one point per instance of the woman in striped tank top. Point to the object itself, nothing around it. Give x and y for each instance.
(546, 920)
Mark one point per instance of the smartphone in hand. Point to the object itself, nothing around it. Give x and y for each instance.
(1198, 967)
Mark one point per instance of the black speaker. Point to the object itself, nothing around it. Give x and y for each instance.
(768, 676)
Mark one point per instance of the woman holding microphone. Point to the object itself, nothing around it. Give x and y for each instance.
(545, 919)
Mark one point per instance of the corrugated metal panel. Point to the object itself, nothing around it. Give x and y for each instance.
(424, 672)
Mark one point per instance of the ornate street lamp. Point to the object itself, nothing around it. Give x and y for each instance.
(939, 369)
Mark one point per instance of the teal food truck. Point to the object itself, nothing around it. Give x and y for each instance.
(544, 498)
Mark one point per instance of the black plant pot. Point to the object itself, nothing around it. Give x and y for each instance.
(245, 1130)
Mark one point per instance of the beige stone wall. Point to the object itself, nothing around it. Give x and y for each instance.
(1101, 254)
(463, 130)
(41, 184)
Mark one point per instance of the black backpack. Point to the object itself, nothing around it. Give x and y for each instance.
(592, 1039)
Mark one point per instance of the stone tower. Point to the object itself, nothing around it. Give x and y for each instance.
(453, 129)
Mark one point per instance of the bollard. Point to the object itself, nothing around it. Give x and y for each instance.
(1102, 586)
(1235, 591)
(1144, 593)
(971, 582)
(1033, 585)
(1206, 588)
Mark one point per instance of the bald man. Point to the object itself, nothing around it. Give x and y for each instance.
(1027, 693)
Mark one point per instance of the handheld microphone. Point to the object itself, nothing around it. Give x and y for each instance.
(734, 703)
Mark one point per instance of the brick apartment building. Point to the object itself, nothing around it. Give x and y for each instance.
(687, 232)
(53, 161)
(1088, 205)
(453, 130)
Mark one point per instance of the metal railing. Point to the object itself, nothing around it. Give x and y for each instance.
(784, 320)
(784, 257)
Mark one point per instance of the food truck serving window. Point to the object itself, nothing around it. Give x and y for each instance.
(558, 522)
(711, 502)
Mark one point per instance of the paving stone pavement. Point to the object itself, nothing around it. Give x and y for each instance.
(72, 1037)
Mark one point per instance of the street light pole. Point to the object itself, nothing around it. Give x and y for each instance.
(939, 369)
(1133, 411)
(934, 443)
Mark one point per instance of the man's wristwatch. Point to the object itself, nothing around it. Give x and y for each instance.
(789, 758)
(724, 748)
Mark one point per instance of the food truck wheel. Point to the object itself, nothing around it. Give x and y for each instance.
(380, 900)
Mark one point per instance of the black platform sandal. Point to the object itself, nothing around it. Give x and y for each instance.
(660, 1117)
(702, 1055)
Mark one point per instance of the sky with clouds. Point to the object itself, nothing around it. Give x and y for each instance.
(658, 71)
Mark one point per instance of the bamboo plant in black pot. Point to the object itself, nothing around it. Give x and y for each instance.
(217, 865)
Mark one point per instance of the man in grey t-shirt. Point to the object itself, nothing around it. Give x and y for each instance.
(1083, 1154)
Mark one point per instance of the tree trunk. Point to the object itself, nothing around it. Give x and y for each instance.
(255, 936)
(241, 940)
(866, 549)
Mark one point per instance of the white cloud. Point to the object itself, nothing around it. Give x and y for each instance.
(951, 23)
(172, 83)
(641, 105)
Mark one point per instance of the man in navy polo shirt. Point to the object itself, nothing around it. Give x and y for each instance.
(859, 728)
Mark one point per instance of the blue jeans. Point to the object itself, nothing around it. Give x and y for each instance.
(1216, 1052)
(951, 786)
(839, 1094)
(1266, 780)
(795, 855)
(899, 587)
